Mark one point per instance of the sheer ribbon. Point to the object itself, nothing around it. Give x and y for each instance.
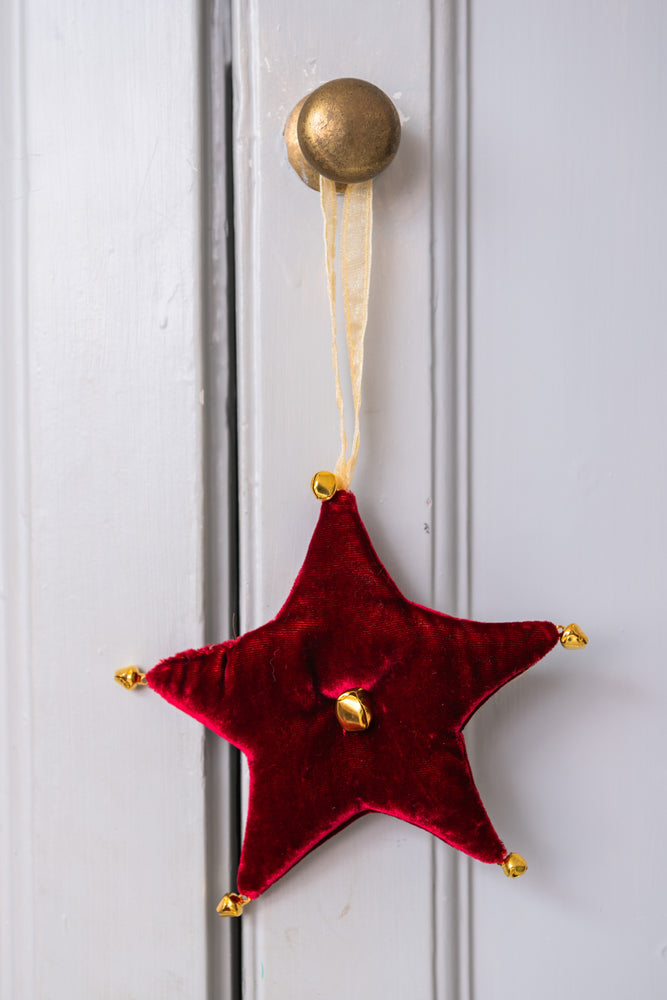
(357, 227)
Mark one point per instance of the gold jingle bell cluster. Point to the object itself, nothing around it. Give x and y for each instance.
(353, 710)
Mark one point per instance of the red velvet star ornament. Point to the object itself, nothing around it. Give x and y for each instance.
(414, 677)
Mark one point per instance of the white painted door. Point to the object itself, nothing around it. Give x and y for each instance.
(109, 278)
(512, 466)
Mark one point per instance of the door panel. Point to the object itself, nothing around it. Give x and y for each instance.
(569, 486)
(372, 911)
(102, 500)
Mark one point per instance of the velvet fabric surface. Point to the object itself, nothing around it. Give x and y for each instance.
(272, 693)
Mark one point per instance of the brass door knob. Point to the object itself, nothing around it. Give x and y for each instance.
(347, 130)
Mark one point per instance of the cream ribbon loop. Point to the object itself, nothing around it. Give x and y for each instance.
(357, 227)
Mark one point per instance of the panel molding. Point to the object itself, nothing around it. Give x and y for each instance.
(102, 498)
(450, 400)
(430, 546)
(220, 474)
(16, 921)
(568, 303)
(249, 400)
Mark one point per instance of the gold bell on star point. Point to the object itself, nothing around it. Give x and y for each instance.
(130, 678)
(573, 637)
(232, 904)
(324, 485)
(514, 865)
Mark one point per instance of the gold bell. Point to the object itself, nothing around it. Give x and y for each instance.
(514, 865)
(352, 711)
(232, 904)
(324, 485)
(573, 637)
(130, 678)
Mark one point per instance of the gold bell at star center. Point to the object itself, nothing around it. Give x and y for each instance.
(232, 904)
(573, 637)
(353, 711)
(514, 865)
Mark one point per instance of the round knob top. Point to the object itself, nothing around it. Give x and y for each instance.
(348, 130)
